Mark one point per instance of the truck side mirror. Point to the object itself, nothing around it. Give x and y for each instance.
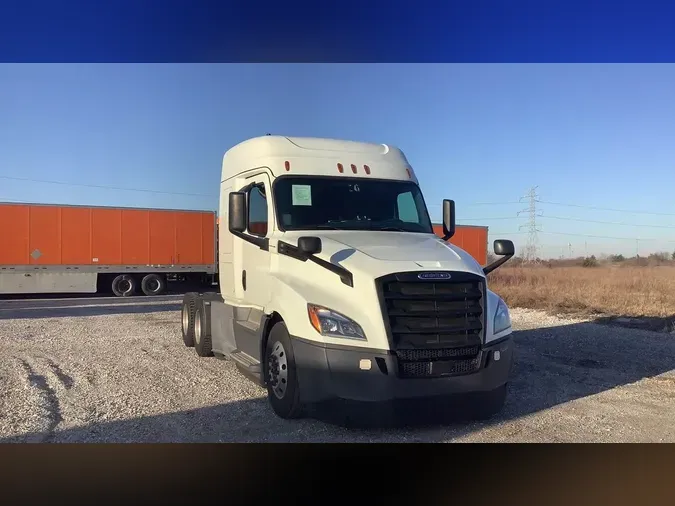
(237, 216)
(448, 219)
(309, 245)
(503, 248)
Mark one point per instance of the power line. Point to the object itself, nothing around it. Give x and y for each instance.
(610, 237)
(533, 230)
(565, 218)
(145, 190)
(606, 222)
(52, 203)
(490, 232)
(588, 235)
(596, 208)
(565, 204)
(106, 187)
(488, 219)
(481, 204)
(494, 203)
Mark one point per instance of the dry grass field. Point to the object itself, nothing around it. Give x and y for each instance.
(615, 290)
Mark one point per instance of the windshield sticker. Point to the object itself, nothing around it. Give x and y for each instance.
(302, 195)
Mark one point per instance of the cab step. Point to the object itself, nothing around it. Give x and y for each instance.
(248, 366)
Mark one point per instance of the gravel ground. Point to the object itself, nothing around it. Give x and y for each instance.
(105, 370)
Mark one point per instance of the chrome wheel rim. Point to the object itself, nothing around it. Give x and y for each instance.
(198, 327)
(185, 319)
(277, 370)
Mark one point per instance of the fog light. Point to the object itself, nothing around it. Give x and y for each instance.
(365, 364)
(497, 355)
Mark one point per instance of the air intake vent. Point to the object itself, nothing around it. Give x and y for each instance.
(436, 326)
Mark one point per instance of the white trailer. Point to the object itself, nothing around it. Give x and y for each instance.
(333, 285)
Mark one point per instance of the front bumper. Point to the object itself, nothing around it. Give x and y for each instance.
(327, 373)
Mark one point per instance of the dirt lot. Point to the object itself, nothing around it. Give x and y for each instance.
(103, 370)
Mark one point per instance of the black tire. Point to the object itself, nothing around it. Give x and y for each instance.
(187, 318)
(490, 404)
(153, 284)
(124, 285)
(202, 331)
(285, 401)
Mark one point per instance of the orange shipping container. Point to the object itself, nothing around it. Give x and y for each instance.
(472, 239)
(50, 235)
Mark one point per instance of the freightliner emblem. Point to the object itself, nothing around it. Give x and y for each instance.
(434, 275)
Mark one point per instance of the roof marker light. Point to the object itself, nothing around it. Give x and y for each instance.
(367, 169)
(340, 168)
(287, 164)
(409, 174)
(353, 168)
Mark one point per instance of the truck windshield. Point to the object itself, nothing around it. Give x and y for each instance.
(314, 203)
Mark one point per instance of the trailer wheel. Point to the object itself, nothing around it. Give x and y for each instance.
(281, 377)
(187, 318)
(202, 331)
(153, 284)
(124, 285)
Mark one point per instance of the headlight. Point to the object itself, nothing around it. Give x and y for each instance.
(329, 323)
(502, 318)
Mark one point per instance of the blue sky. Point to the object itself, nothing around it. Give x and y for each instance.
(587, 135)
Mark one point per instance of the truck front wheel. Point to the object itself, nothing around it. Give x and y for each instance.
(124, 285)
(281, 377)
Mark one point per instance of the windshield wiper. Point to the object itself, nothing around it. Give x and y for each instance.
(371, 228)
(391, 229)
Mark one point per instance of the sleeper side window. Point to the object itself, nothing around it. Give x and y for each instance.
(257, 211)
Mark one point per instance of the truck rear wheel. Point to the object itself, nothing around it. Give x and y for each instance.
(124, 285)
(153, 284)
(202, 331)
(187, 319)
(281, 377)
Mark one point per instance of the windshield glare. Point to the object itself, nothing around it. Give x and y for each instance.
(313, 203)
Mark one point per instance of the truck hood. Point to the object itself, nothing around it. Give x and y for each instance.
(427, 251)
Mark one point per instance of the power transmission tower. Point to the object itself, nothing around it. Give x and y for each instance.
(530, 253)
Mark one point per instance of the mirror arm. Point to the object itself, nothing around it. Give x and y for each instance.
(284, 248)
(262, 242)
(345, 276)
(497, 263)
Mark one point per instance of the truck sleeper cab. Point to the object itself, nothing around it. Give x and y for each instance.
(333, 285)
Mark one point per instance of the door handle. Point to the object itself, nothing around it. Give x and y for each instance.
(243, 279)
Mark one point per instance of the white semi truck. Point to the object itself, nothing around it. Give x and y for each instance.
(333, 286)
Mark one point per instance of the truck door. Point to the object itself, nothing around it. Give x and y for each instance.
(253, 280)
